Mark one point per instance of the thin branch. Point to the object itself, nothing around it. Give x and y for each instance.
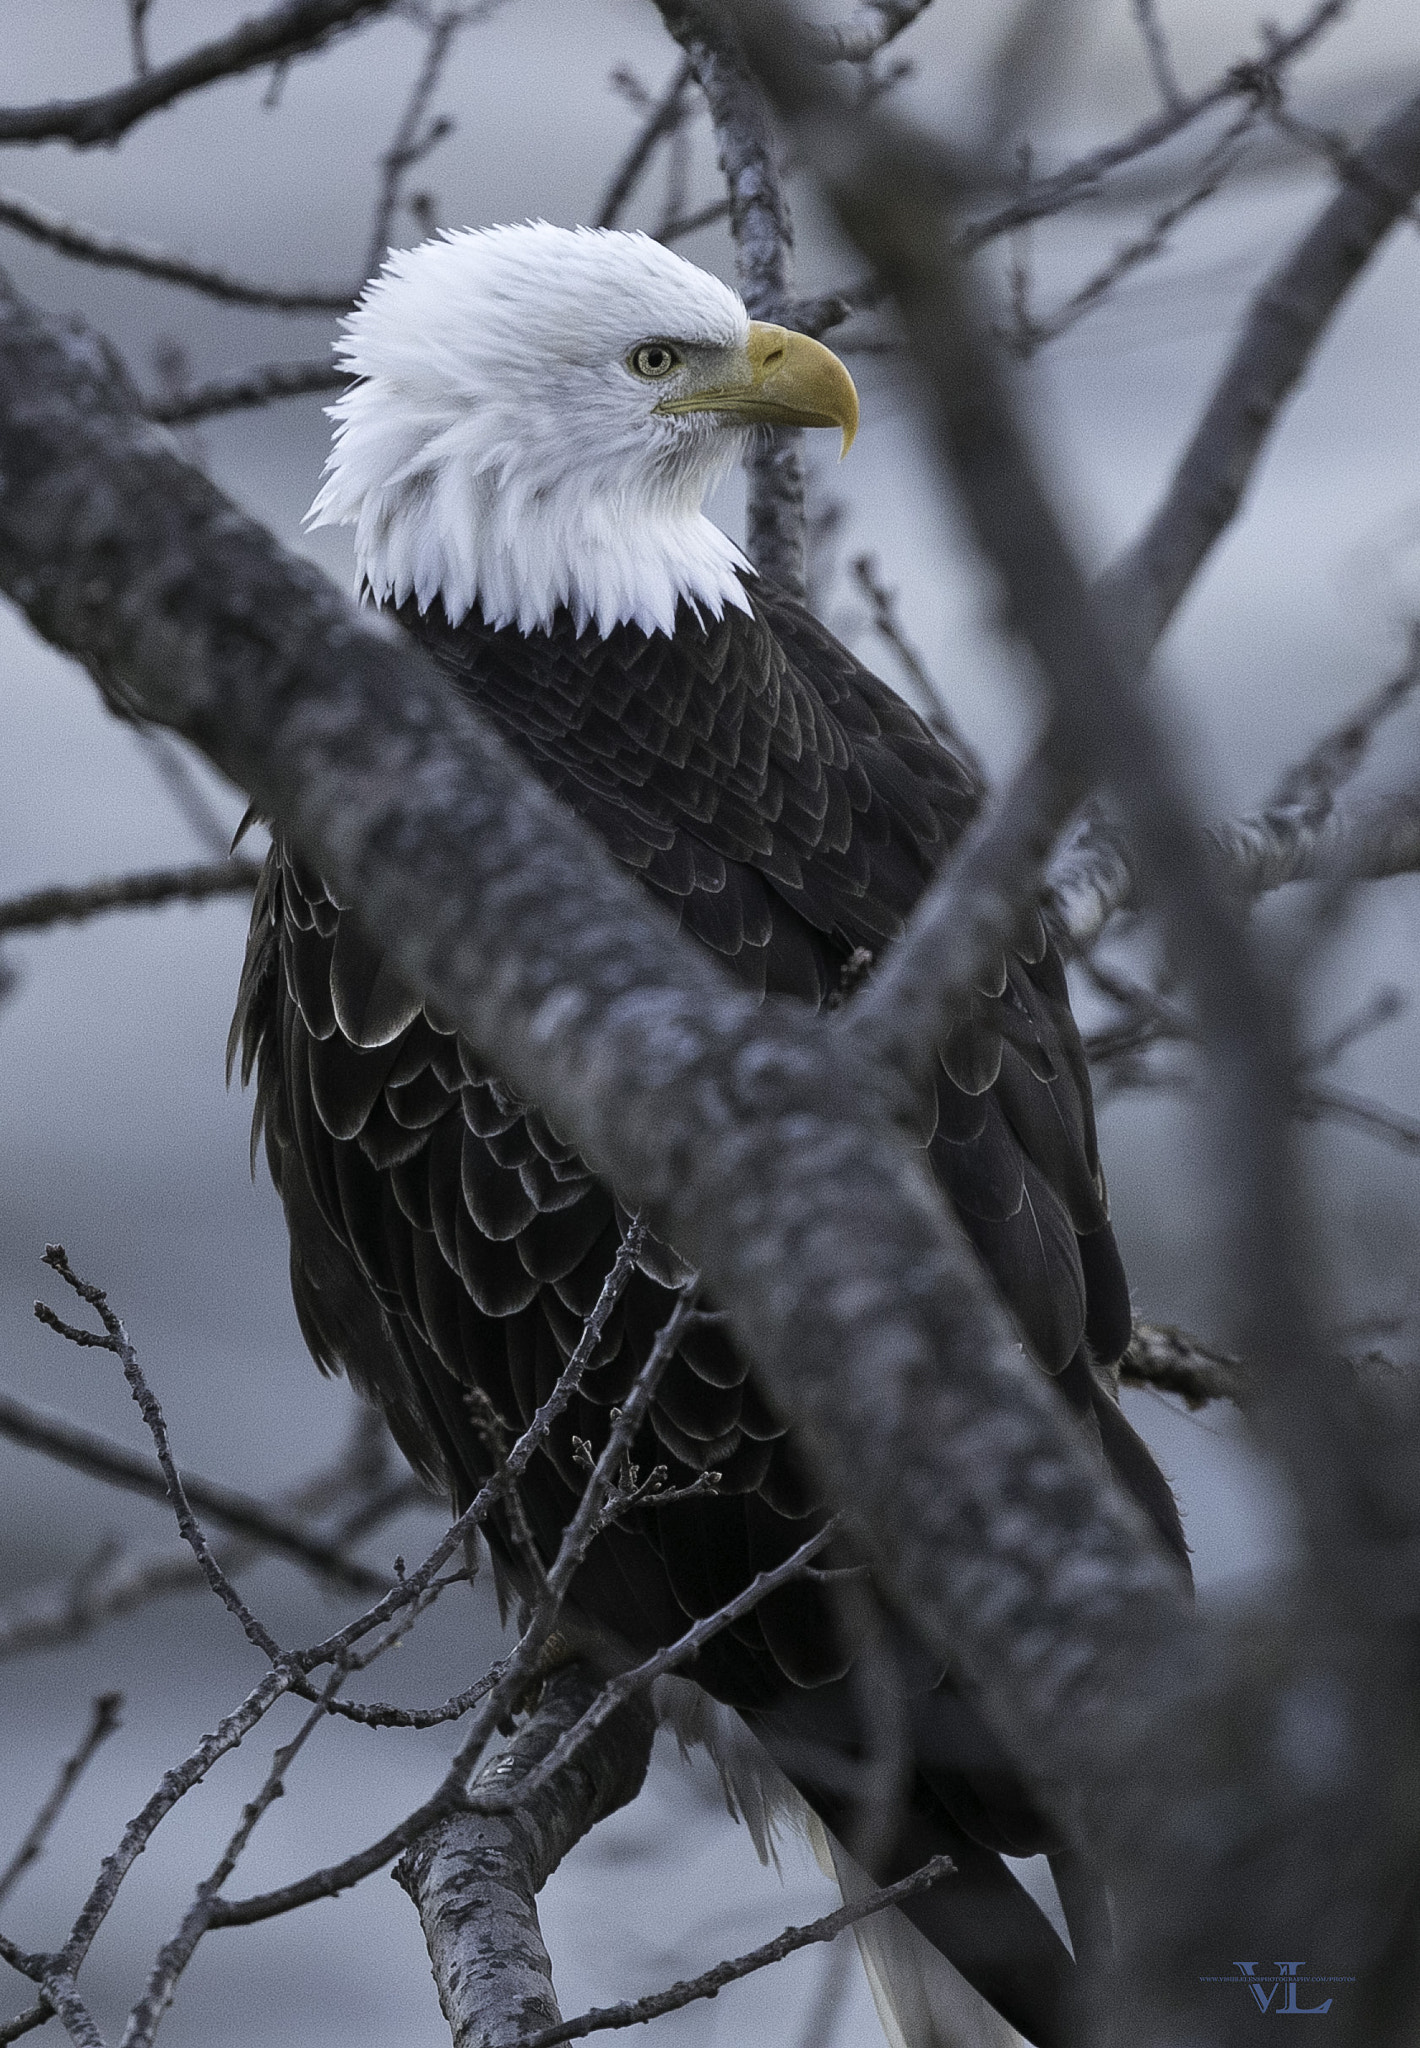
(116, 252)
(764, 238)
(627, 1684)
(103, 1721)
(116, 1340)
(176, 1783)
(138, 36)
(1318, 1100)
(289, 30)
(1029, 333)
(413, 140)
(872, 28)
(245, 393)
(1253, 79)
(1156, 48)
(1278, 340)
(888, 626)
(663, 119)
(174, 769)
(175, 1955)
(1173, 1362)
(637, 2010)
(1313, 783)
(692, 223)
(45, 907)
(25, 2022)
(100, 1456)
(1306, 832)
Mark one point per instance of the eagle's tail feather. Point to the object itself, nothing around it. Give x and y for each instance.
(922, 2001)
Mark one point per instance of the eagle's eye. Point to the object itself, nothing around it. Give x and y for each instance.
(653, 359)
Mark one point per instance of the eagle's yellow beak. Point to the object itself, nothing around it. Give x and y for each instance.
(791, 382)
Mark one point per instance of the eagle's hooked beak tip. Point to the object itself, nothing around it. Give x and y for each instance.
(794, 381)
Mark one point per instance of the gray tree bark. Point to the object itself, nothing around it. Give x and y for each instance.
(475, 1877)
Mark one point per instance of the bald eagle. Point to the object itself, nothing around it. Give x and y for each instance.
(537, 417)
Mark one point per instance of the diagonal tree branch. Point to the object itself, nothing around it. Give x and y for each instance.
(756, 1140)
(289, 30)
(86, 1451)
(1284, 325)
(116, 252)
(245, 393)
(45, 907)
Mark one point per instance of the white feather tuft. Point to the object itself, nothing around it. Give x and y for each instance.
(497, 451)
(922, 2000)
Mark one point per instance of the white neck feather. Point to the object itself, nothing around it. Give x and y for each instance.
(494, 453)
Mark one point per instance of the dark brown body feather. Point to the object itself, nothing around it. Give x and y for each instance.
(787, 809)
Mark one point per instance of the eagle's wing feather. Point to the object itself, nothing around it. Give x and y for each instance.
(788, 810)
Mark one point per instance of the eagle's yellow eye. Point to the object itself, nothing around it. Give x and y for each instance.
(653, 359)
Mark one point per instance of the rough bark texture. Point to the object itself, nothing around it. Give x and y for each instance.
(764, 242)
(475, 1877)
(757, 1140)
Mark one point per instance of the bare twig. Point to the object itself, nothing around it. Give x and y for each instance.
(627, 1684)
(175, 1955)
(1305, 832)
(174, 769)
(1174, 1362)
(103, 1589)
(663, 118)
(1318, 1100)
(138, 36)
(931, 703)
(1254, 80)
(103, 1720)
(1156, 47)
(637, 2010)
(691, 223)
(759, 219)
(116, 252)
(288, 30)
(116, 1340)
(86, 1451)
(871, 29)
(415, 136)
(176, 1783)
(45, 907)
(1031, 332)
(1145, 587)
(245, 393)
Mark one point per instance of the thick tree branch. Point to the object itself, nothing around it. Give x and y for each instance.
(475, 1877)
(757, 1141)
(287, 31)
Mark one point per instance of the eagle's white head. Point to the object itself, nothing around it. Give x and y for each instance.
(540, 414)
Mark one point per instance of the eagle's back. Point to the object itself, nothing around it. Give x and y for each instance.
(788, 809)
